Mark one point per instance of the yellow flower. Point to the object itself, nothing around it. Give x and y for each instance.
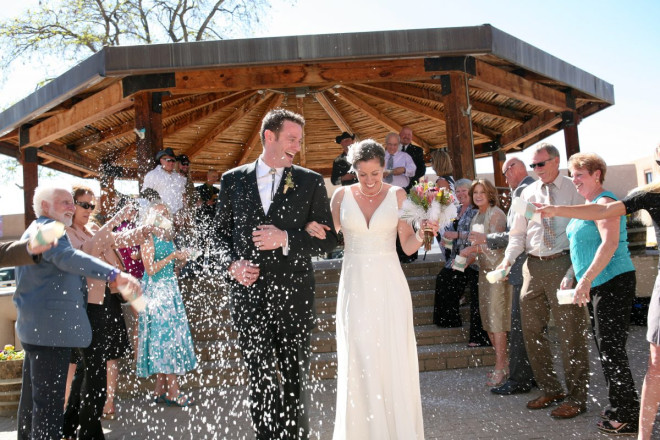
(9, 347)
(288, 182)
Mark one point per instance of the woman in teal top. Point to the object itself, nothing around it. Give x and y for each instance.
(605, 272)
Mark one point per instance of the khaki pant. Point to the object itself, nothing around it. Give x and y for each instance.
(537, 299)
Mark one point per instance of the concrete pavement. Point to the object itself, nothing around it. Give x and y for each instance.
(456, 403)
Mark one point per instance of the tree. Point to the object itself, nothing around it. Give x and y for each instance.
(75, 29)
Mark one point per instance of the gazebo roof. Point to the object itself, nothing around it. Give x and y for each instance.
(212, 96)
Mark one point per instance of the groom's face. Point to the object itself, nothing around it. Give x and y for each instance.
(280, 148)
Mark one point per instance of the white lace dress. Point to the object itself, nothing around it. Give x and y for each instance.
(378, 394)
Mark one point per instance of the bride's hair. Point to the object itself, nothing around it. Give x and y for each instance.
(367, 149)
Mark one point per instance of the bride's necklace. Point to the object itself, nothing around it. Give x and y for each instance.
(370, 195)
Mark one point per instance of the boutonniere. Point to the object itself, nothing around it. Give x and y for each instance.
(288, 182)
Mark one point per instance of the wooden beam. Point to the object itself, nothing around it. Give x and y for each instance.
(104, 103)
(217, 130)
(30, 181)
(376, 115)
(332, 111)
(68, 158)
(10, 150)
(298, 75)
(459, 129)
(497, 80)
(255, 137)
(105, 136)
(530, 129)
(149, 120)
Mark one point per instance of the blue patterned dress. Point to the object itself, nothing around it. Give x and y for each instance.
(164, 341)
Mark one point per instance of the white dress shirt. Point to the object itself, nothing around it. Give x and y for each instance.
(171, 187)
(267, 189)
(401, 159)
(527, 235)
(265, 183)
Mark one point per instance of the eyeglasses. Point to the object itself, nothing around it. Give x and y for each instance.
(85, 205)
(539, 164)
(170, 160)
(507, 169)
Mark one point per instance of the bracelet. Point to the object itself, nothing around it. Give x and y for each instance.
(585, 278)
(419, 237)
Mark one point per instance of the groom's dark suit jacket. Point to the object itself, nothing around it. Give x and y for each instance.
(284, 292)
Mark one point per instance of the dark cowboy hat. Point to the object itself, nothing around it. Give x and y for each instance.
(183, 159)
(165, 152)
(343, 136)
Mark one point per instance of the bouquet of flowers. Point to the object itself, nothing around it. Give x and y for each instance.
(428, 202)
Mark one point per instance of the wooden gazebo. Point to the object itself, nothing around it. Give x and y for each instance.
(476, 90)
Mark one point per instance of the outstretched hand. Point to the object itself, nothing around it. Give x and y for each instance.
(546, 211)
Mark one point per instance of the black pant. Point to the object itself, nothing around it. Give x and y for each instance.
(88, 389)
(609, 309)
(42, 392)
(478, 335)
(521, 370)
(277, 413)
(449, 286)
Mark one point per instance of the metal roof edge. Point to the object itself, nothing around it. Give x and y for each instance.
(530, 57)
(415, 43)
(81, 76)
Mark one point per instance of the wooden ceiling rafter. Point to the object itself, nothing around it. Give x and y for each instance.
(333, 113)
(530, 129)
(378, 116)
(255, 135)
(211, 136)
(300, 109)
(69, 158)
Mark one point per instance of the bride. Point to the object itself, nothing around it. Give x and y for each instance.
(378, 393)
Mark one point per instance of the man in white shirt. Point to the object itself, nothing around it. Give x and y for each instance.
(399, 166)
(169, 184)
(415, 152)
(547, 269)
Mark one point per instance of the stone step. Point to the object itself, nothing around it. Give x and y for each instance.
(325, 342)
(415, 283)
(10, 394)
(323, 366)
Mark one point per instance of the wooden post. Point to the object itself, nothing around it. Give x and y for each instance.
(571, 138)
(30, 162)
(458, 124)
(107, 196)
(30, 181)
(498, 160)
(149, 126)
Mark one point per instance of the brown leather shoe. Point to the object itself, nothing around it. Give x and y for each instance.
(567, 411)
(544, 401)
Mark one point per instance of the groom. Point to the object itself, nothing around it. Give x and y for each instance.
(263, 208)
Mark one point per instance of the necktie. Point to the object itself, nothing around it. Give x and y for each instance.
(272, 172)
(549, 235)
(390, 166)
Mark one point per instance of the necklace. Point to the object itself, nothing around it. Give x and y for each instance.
(370, 195)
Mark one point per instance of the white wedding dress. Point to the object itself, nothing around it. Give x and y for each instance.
(378, 393)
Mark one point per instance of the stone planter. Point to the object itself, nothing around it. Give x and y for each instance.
(10, 386)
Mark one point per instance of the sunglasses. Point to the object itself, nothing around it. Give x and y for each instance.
(507, 170)
(85, 205)
(539, 164)
(170, 160)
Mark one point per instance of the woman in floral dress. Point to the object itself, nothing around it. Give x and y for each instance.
(165, 347)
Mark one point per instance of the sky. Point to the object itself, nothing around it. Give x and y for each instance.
(613, 40)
